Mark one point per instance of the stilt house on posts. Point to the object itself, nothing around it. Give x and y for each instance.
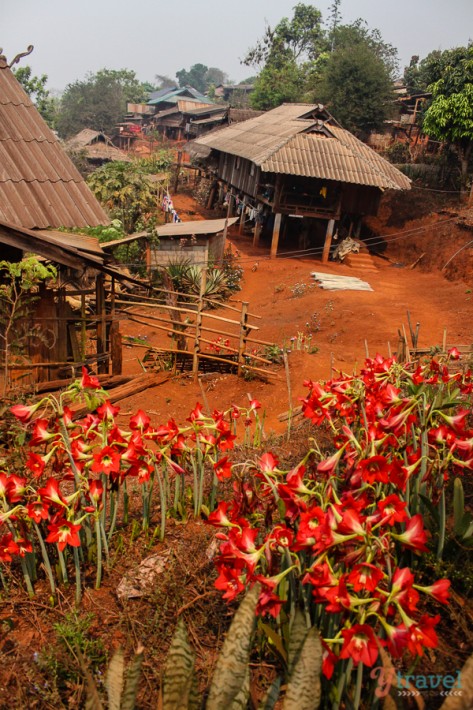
(40, 191)
(297, 176)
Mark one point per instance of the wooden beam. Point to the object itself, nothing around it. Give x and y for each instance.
(328, 240)
(257, 234)
(275, 239)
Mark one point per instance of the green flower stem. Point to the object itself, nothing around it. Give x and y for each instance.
(359, 682)
(162, 497)
(442, 525)
(27, 577)
(98, 540)
(46, 560)
(343, 680)
(113, 521)
(126, 500)
(77, 572)
(62, 566)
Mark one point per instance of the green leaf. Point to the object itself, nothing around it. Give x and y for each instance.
(304, 687)
(230, 673)
(275, 639)
(132, 680)
(115, 680)
(179, 683)
(458, 506)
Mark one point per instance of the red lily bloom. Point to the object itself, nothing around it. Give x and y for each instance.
(337, 597)
(107, 410)
(89, 381)
(24, 546)
(51, 493)
(365, 576)
(196, 415)
(438, 590)
(414, 536)
(40, 432)
(329, 661)
(64, 533)
(268, 463)
(24, 413)
(16, 487)
(140, 421)
(374, 469)
(35, 463)
(8, 547)
(396, 639)
(392, 510)
(359, 643)
(422, 635)
(107, 461)
(223, 468)
(37, 511)
(96, 492)
(231, 579)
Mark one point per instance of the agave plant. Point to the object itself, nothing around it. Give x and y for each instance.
(216, 286)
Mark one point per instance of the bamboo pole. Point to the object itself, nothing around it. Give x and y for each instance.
(198, 323)
(243, 334)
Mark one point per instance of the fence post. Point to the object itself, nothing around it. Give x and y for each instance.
(243, 336)
(198, 323)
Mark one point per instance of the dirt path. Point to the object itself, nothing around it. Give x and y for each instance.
(340, 322)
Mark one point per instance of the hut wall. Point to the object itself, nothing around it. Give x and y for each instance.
(359, 199)
(239, 173)
(173, 250)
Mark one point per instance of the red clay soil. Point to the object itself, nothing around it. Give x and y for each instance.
(343, 324)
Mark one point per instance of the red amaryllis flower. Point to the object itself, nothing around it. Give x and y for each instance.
(23, 412)
(196, 415)
(359, 643)
(16, 487)
(89, 381)
(223, 468)
(329, 661)
(51, 493)
(454, 354)
(231, 579)
(220, 517)
(422, 635)
(414, 536)
(392, 510)
(35, 463)
(107, 461)
(268, 601)
(439, 590)
(338, 597)
(107, 410)
(96, 492)
(64, 533)
(365, 576)
(24, 546)
(40, 432)
(374, 469)
(396, 638)
(268, 463)
(37, 511)
(8, 547)
(254, 405)
(280, 536)
(140, 420)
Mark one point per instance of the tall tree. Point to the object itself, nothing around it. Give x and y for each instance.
(449, 117)
(354, 80)
(283, 55)
(35, 87)
(99, 101)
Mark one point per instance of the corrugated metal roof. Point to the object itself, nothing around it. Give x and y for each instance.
(39, 185)
(282, 141)
(197, 227)
(319, 156)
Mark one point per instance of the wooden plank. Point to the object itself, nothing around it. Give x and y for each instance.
(135, 386)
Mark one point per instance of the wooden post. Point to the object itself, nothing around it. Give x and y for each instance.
(275, 240)
(257, 234)
(242, 219)
(328, 240)
(102, 365)
(243, 335)
(83, 327)
(225, 229)
(211, 196)
(178, 170)
(198, 324)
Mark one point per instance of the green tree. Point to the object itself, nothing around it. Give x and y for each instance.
(355, 79)
(124, 190)
(279, 82)
(99, 101)
(449, 117)
(298, 39)
(35, 87)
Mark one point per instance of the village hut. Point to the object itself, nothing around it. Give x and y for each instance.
(96, 147)
(297, 175)
(40, 191)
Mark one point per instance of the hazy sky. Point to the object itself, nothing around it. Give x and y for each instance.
(73, 37)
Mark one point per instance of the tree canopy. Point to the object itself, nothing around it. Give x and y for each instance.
(201, 77)
(35, 87)
(449, 117)
(99, 101)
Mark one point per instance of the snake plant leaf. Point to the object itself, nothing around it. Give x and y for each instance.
(297, 636)
(132, 679)
(304, 687)
(458, 506)
(179, 682)
(272, 695)
(115, 680)
(231, 670)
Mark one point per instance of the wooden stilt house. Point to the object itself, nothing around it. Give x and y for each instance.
(297, 175)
